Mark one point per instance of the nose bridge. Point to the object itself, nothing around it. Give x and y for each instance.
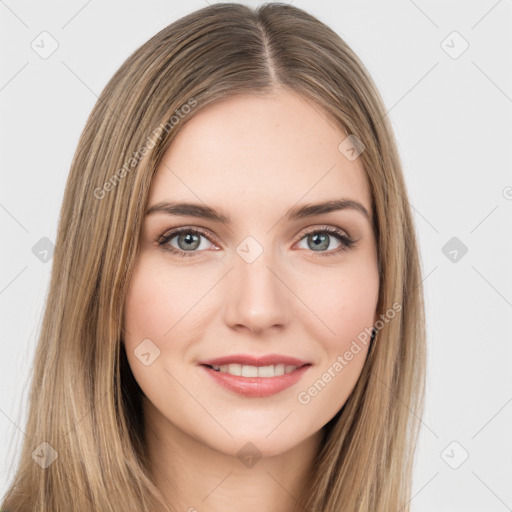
(256, 298)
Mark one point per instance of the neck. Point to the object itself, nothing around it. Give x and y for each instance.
(193, 476)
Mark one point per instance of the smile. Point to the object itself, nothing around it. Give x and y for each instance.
(255, 381)
(245, 370)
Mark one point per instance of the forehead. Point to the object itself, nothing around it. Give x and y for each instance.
(255, 151)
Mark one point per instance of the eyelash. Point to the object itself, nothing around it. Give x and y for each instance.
(345, 240)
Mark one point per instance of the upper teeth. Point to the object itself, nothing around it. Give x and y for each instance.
(255, 371)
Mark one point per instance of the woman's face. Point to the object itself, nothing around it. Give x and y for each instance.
(251, 276)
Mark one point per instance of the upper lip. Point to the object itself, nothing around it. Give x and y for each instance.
(246, 359)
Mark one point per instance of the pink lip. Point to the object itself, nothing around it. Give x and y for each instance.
(266, 360)
(256, 386)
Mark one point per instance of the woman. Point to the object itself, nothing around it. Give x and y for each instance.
(235, 315)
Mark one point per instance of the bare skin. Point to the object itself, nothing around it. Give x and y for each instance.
(306, 295)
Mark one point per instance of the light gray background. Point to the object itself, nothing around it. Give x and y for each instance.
(452, 119)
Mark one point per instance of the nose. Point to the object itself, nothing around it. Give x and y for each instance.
(256, 297)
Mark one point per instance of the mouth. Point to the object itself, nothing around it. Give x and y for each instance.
(261, 378)
(244, 370)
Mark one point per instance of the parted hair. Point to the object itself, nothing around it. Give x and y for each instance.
(84, 401)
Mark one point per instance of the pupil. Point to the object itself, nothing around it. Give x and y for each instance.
(189, 239)
(319, 240)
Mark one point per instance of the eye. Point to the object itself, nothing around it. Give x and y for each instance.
(188, 240)
(319, 240)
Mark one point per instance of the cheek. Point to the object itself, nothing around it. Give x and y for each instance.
(152, 311)
(344, 305)
(160, 309)
(166, 306)
(146, 314)
(343, 300)
(161, 302)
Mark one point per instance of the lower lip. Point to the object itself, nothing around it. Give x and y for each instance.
(256, 386)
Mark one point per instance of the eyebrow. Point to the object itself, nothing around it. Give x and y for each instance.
(294, 213)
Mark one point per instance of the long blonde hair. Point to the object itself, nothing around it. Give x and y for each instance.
(84, 401)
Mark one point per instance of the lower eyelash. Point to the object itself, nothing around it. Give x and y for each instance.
(165, 239)
(346, 241)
